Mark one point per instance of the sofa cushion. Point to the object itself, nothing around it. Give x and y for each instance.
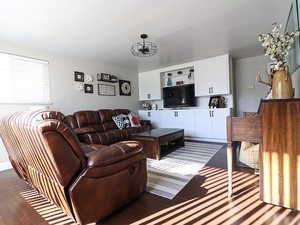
(89, 119)
(105, 115)
(121, 111)
(104, 138)
(85, 130)
(71, 121)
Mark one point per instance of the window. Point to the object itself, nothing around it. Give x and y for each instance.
(23, 80)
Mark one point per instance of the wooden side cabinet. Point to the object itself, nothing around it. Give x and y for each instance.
(280, 152)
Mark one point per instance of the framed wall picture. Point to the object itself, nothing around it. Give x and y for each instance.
(125, 87)
(78, 76)
(106, 90)
(88, 88)
(105, 77)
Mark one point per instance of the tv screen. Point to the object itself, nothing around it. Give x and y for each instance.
(179, 96)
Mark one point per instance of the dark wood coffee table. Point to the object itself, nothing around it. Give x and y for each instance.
(153, 139)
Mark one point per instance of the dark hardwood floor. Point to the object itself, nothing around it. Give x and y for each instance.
(203, 201)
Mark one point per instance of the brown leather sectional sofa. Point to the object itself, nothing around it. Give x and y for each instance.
(88, 181)
(98, 127)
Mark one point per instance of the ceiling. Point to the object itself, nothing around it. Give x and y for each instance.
(104, 30)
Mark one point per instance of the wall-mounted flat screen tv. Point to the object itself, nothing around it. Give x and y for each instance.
(179, 96)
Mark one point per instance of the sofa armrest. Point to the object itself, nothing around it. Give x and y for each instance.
(103, 156)
(111, 159)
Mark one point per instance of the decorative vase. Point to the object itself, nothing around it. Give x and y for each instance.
(282, 85)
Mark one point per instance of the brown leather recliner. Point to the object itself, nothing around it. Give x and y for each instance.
(98, 127)
(88, 182)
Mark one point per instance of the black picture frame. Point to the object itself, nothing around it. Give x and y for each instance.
(125, 87)
(78, 76)
(105, 77)
(88, 88)
(102, 92)
(214, 102)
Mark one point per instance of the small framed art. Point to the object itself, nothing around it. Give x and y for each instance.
(125, 87)
(88, 88)
(79, 76)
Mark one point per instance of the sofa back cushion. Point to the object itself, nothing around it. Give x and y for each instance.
(71, 121)
(106, 119)
(121, 111)
(89, 119)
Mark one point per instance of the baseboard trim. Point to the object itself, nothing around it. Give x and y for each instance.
(214, 140)
(5, 166)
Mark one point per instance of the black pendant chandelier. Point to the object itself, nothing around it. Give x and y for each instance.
(144, 48)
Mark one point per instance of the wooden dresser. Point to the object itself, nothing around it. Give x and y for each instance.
(277, 128)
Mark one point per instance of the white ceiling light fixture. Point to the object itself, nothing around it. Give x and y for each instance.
(144, 48)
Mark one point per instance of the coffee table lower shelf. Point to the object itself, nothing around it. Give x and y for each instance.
(153, 139)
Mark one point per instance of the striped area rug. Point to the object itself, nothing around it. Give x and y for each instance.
(168, 176)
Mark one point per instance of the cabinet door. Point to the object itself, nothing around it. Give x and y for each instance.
(149, 85)
(220, 75)
(212, 76)
(219, 128)
(202, 123)
(202, 78)
(185, 120)
(156, 119)
(143, 115)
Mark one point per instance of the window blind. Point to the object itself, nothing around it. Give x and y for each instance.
(23, 80)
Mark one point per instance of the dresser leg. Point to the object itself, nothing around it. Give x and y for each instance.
(229, 168)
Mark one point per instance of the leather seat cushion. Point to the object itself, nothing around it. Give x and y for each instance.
(114, 153)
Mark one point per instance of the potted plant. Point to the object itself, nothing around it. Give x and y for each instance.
(277, 45)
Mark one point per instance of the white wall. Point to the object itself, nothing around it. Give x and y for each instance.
(248, 92)
(63, 94)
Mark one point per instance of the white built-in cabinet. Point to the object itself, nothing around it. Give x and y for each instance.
(149, 85)
(212, 76)
(203, 124)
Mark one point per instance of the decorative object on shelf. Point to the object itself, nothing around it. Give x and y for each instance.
(181, 82)
(79, 86)
(277, 45)
(105, 77)
(146, 106)
(169, 81)
(144, 48)
(88, 88)
(222, 102)
(154, 107)
(214, 102)
(191, 73)
(106, 90)
(89, 78)
(79, 76)
(125, 87)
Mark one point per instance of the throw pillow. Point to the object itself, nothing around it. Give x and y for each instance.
(126, 121)
(119, 121)
(122, 121)
(134, 120)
